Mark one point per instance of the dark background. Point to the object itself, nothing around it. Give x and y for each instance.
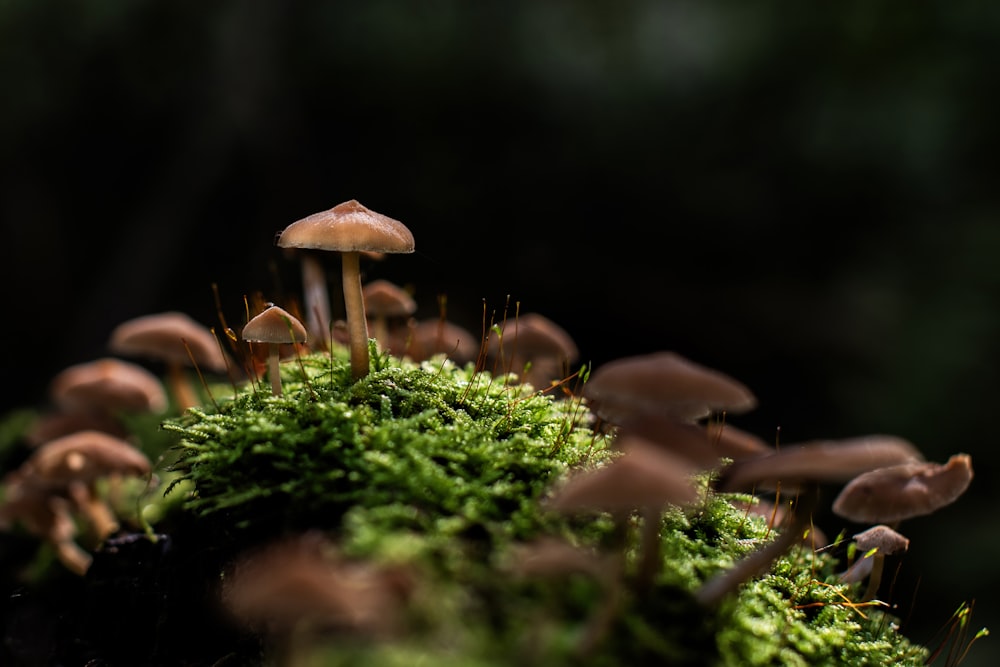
(803, 195)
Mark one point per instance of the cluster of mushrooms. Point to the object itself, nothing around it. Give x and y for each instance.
(664, 414)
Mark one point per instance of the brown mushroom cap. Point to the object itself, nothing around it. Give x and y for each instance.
(274, 325)
(882, 538)
(85, 456)
(735, 443)
(533, 336)
(665, 383)
(896, 492)
(107, 385)
(819, 461)
(388, 299)
(348, 227)
(438, 336)
(162, 336)
(643, 477)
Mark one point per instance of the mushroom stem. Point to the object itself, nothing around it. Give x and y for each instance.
(354, 306)
(316, 297)
(650, 550)
(273, 369)
(878, 564)
(180, 385)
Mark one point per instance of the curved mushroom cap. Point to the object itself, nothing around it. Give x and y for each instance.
(386, 298)
(734, 443)
(883, 539)
(663, 382)
(286, 583)
(689, 441)
(162, 336)
(819, 461)
(348, 227)
(534, 336)
(896, 492)
(644, 476)
(107, 385)
(85, 456)
(437, 336)
(274, 325)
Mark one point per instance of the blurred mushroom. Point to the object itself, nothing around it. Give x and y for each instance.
(892, 493)
(536, 348)
(819, 461)
(350, 228)
(107, 386)
(736, 444)
(301, 586)
(663, 383)
(176, 340)
(875, 544)
(439, 336)
(274, 326)
(384, 300)
(644, 478)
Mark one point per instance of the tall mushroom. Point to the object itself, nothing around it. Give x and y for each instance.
(274, 326)
(350, 228)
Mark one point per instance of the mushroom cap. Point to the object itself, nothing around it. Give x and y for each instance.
(663, 382)
(644, 476)
(383, 297)
(892, 493)
(107, 384)
(162, 336)
(689, 441)
(883, 538)
(817, 461)
(85, 456)
(534, 336)
(348, 227)
(274, 325)
(734, 443)
(437, 336)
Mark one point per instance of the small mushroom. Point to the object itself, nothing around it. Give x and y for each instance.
(875, 544)
(536, 343)
(176, 340)
(385, 300)
(350, 228)
(274, 326)
(892, 493)
(439, 336)
(663, 383)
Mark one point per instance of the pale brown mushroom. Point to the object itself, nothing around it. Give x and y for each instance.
(274, 326)
(439, 336)
(535, 347)
(875, 544)
(663, 383)
(821, 461)
(107, 386)
(385, 300)
(350, 228)
(892, 493)
(176, 340)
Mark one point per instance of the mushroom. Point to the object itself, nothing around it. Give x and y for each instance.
(536, 340)
(274, 326)
(817, 461)
(892, 493)
(383, 300)
(663, 383)
(645, 478)
(350, 228)
(436, 336)
(176, 340)
(875, 544)
(107, 386)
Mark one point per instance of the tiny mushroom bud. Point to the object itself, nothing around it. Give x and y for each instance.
(174, 339)
(892, 493)
(350, 228)
(663, 383)
(274, 326)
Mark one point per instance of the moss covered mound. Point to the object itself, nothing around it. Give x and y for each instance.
(444, 471)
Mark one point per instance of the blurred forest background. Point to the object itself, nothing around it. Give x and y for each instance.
(803, 195)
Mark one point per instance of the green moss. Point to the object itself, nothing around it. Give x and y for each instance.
(445, 470)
